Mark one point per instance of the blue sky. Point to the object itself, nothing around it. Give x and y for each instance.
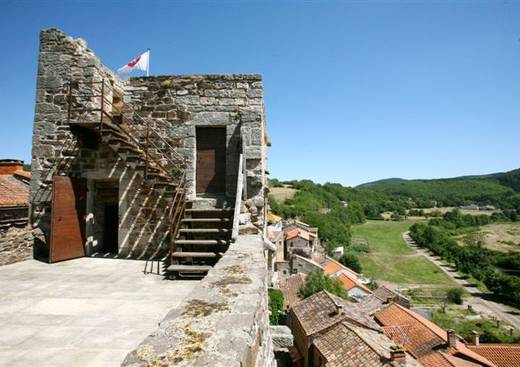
(354, 91)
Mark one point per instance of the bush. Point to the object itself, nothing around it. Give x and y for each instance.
(350, 260)
(454, 295)
(316, 282)
(276, 306)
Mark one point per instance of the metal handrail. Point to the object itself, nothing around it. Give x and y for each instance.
(176, 213)
(178, 204)
(238, 198)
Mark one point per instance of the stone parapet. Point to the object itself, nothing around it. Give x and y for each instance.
(223, 322)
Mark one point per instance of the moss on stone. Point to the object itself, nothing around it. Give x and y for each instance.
(197, 308)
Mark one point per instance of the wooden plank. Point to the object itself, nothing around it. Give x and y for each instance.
(211, 160)
(201, 242)
(67, 218)
(202, 220)
(194, 254)
(203, 230)
(189, 268)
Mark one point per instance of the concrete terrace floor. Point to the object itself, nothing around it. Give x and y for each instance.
(83, 312)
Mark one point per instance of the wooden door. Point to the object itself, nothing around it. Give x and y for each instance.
(67, 218)
(211, 160)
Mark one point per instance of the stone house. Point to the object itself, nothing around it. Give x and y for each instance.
(331, 332)
(298, 241)
(14, 194)
(290, 225)
(431, 345)
(146, 166)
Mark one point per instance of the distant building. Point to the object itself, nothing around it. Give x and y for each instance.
(428, 343)
(14, 194)
(487, 208)
(300, 242)
(469, 207)
(330, 332)
(338, 252)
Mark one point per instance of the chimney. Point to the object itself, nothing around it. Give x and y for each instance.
(452, 338)
(397, 354)
(389, 300)
(338, 309)
(476, 338)
(10, 166)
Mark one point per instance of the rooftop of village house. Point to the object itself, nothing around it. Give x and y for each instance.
(14, 186)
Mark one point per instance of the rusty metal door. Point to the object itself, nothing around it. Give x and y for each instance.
(67, 218)
(211, 160)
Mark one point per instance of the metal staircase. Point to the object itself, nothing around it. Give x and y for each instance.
(197, 237)
(140, 146)
(204, 236)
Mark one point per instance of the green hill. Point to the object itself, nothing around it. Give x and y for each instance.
(500, 189)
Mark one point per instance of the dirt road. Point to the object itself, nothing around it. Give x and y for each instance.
(476, 300)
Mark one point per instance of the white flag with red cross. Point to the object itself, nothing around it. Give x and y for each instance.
(141, 62)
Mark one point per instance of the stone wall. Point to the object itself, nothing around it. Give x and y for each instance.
(176, 105)
(61, 59)
(224, 322)
(15, 245)
(179, 104)
(13, 216)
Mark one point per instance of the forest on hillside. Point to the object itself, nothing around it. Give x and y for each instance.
(334, 208)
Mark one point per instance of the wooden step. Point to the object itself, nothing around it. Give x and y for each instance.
(194, 254)
(114, 139)
(189, 268)
(204, 230)
(210, 210)
(110, 133)
(127, 148)
(205, 220)
(201, 242)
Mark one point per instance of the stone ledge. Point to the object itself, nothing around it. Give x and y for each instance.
(223, 322)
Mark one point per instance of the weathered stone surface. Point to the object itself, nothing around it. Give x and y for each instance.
(282, 336)
(223, 322)
(15, 245)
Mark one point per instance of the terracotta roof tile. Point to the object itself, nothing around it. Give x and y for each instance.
(298, 233)
(323, 309)
(290, 288)
(422, 338)
(331, 268)
(13, 192)
(348, 283)
(347, 345)
(502, 355)
(334, 266)
(371, 304)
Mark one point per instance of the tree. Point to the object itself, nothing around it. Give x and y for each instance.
(317, 281)
(454, 295)
(350, 260)
(275, 306)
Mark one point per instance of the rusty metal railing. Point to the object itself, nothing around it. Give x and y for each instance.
(157, 153)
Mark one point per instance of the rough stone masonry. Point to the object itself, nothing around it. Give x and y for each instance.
(176, 105)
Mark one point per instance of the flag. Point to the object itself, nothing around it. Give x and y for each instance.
(141, 62)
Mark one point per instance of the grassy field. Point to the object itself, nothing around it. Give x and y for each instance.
(280, 194)
(502, 236)
(391, 260)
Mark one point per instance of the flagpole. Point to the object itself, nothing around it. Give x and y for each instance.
(148, 66)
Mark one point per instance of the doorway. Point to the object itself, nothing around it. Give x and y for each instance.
(211, 160)
(106, 214)
(110, 226)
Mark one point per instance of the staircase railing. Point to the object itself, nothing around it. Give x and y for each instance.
(159, 154)
(238, 198)
(176, 213)
(86, 103)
